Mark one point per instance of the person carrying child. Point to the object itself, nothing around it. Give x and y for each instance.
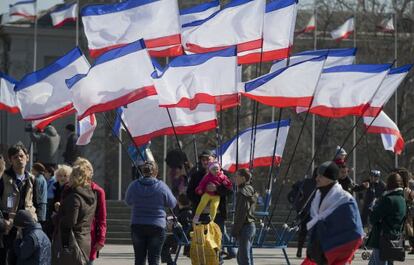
(214, 176)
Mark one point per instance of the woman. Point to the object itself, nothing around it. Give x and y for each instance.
(38, 170)
(387, 216)
(148, 197)
(75, 215)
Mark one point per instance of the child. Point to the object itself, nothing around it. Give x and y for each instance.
(34, 246)
(38, 170)
(244, 227)
(217, 178)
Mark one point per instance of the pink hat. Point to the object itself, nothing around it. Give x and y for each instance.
(213, 164)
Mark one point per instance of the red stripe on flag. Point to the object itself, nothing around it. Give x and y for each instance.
(163, 41)
(13, 110)
(281, 102)
(45, 122)
(97, 52)
(257, 162)
(344, 253)
(138, 94)
(331, 112)
(250, 45)
(63, 22)
(169, 52)
(56, 112)
(226, 101)
(345, 36)
(399, 145)
(191, 129)
(265, 57)
(372, 111)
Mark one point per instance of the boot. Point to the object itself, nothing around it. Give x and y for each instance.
(299, 252)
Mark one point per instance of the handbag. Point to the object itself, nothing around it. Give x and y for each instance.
(391, 247)
(71, 254)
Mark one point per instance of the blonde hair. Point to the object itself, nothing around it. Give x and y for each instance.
(82, 173)
(63, 170)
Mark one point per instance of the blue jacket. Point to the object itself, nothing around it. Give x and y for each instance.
(51, 188)
(34, 248)
(41, 197)
(149, 197)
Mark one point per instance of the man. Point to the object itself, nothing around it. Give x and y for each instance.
(340, 153)
(72, 151)
(335, 227)
(16, 193)
(47, 144)
(344, 180)
(196, 175)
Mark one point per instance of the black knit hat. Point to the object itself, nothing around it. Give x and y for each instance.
(23, 218)
(329, 170)
(206, 153)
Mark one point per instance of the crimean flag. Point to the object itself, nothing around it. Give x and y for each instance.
(86, 128)
(8, 99)
(199, 12)
(311, 26)
(25, 9)
(344, 31)
(64, 14)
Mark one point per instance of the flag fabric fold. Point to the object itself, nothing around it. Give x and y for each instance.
(199, 12)
(311, 26)
(292, 86)
(344, 31)
(25, 9)
(43, 93)
(86, 128)
(118, 77)
(154, 120)
(390, 134)
(209, 78)
(387, 25)
(263, 150)
(64, 14)
(108, 26)
(348, 89)
(8, 99)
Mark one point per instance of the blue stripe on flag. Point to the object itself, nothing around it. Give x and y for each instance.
(59, 64)
(331, 52)
(199, 8)
(102, 9)
(8, 78)
(279, 4)
(362, 68)
(24, 2)
(400, 70)
(117, 123)
(63, 7)
(73, 80)
(121, 51)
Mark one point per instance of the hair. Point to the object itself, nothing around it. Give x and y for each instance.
(405, 175)
(39, 167)
(63, 170)
(15, 149)
(183, 200)
(149, 169)
(244, 172)
(82, 172)
(51, 169)
(394, 181)
(70, 127)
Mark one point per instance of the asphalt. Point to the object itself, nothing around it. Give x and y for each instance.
(124, 254)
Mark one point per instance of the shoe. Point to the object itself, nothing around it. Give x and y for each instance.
(299, 253)
(229, 257)
(411, 252)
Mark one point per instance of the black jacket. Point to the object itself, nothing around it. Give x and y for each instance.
(72, 151)
(347, 184)
(300, 193)
(246, 200)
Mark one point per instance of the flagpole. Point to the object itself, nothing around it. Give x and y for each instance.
(354, 133)
(77, 23)
(396, 93)
(315, 45)
(164, 163)
(120, 165)
(34, 69)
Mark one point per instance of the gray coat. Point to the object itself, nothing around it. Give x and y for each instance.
(47, 143)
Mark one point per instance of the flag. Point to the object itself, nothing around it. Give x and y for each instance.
(153, 121)
(25, 9)
(335, 57)
(291, 86)
(118, 77)
(8, 100)
(43, 93)
(86, 128)
(346, 90)
(64, 14)
(200, 78)
(311, 26)
(386, 25)
(110, 26)
(277, 43)
(390, 84)
(6, 18)
(239, 23)
(199, 12)
(116, 129)
(43, 123)
(263, 150)
(390, 134)
(344, 30)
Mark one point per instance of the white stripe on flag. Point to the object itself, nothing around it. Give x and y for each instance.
(65, 14)
(86, 128)
(344, 30)
(8, 99)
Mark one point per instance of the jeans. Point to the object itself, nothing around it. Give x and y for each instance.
(245, 244)
(147, 240)
(375, 258)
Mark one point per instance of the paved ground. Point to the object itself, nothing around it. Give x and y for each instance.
(123, 255)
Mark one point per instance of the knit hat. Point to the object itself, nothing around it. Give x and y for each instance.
(329, 170)
(206, 153)
(340, 151)
(213, 164)
(23, 218)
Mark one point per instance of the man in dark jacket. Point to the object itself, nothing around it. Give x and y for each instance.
(34, 247)
(72, 151)
(47, 144)
(343, 179)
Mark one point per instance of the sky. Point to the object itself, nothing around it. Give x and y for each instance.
(42, 4)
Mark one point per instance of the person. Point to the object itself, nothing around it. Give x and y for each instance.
(148, 198)
(343, 179)
(179, 180)
(340, 153)
(244, 227)
(47, 144)
(17, 188)
(75, 215)
(300, 197)
(62, 179)
(51, 180)
(216, 177)
(387, 216)
(38, 170)
(98, 228)
(335, 227)
(72, 150)
(34, 247)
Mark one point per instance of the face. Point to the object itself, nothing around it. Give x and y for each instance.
(343, 172)
(322, 181)
(205, 160)
(34, 172)
(214, 170)
(19, 160)
(239, 180)
(62, 178)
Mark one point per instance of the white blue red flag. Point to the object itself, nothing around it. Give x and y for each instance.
(387, 25)
(344, 31)
(335, 57)
(8, 99)
(390, 84)
(118, 77)
(311, 26)
(43, 93)
(199, 12)
(110, 26)
(292, 86)
(240, 23)
(346, 90)
(25, 9)
(209, 78)
(154, 120)
(390, 134)
(64, 14)
(86, 128)
(263, 149)
(277, 42)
